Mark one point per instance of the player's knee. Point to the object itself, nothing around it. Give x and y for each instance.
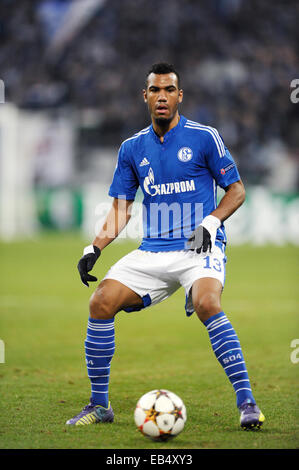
(100, 307)
(207, 305)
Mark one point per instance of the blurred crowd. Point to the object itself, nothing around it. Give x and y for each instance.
(237, 59)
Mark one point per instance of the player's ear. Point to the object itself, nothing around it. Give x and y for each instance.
(181, 93)
(144, 95)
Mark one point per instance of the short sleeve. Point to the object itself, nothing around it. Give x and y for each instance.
(220, 161)
(124, 184)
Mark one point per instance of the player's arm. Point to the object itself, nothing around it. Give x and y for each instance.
(204, 236)
(225, 173)
(116, 220)
(233, 198)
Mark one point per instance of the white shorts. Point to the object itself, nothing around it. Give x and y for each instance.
(156, 276)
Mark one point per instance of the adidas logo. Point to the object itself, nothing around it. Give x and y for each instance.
(144, 162)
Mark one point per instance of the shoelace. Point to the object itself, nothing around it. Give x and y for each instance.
(247, 407)
(86, 408)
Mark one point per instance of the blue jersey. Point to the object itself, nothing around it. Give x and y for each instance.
(178, 178)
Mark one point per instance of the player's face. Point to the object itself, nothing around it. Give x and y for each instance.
(162, 96)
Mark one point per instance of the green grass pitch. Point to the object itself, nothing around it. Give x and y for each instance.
(43, 382)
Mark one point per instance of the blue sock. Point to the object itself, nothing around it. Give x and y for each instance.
(227, 349)
(99, 350)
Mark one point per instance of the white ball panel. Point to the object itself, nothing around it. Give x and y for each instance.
(165, 422)
(164, 404)
(178, 427)
(139, 416)
(147, 401)
(151, 429)
(176, 399)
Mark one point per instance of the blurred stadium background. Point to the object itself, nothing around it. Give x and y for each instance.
(73, 72)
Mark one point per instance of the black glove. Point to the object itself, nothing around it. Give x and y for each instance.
(90, 254)
(200, 240)
(204, 236)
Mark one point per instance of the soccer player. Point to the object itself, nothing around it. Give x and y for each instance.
(178, 163)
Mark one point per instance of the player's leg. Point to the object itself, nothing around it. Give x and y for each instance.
(109, 298)
(206, 298)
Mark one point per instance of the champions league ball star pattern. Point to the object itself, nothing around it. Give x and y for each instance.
(160, 415)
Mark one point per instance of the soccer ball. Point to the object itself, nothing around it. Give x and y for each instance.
(160, 415)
